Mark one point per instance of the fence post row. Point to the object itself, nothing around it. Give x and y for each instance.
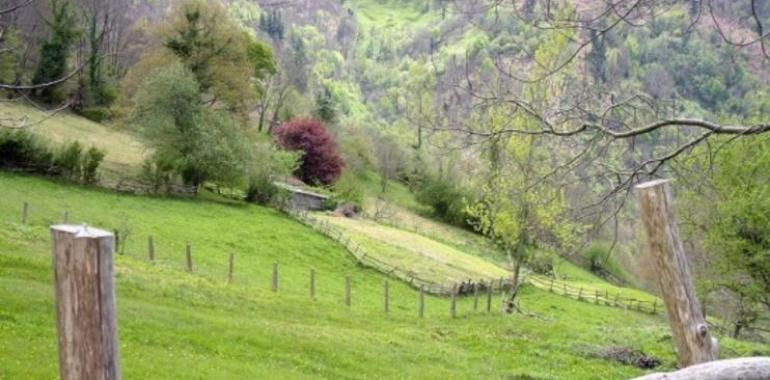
(347, 290)
(151, 248)
(189, 258)
(489, 296)
(24, 211)
(453, 306)
(387, 301)
(230, 268)
(274, 282)
(312, 283)
(421, 308)
(85, 303)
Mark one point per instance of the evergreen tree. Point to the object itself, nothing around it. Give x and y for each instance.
(55, 52)
(325, 109)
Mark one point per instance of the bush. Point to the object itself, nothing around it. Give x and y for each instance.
(348, 190)
(541, 262)
(601, 263)
(158, 174)
(267, 165)
(320, 162)
(447, 201)
(89, 165)
(68, 161)
(23, 150)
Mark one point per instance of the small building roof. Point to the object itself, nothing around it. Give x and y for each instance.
(295, 189)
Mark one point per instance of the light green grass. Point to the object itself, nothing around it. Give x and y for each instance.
(393, 14)
(426, 258)
(125, 152)
(175, 325)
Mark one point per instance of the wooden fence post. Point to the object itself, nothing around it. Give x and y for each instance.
(387, 301)
(655, 307)
(189, 258)
(85, 303)
(596, 297)
(347, 290)
(475, 296)
(580, 294)
(230, 268)
(151, 248)
(489, 296)
(694, 343)
(453, 306)
(24, 212)
(312, 283)
(274, 282)
(66, 217)
(117, 242)
(550, 288)
(421, 308)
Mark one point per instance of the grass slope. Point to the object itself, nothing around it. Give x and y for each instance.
(125, 152)
(177, 325)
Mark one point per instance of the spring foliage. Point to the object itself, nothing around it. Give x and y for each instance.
(321, 163)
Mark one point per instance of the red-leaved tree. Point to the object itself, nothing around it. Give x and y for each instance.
(321, 162)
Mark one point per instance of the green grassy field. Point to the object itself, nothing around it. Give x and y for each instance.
(177, 325)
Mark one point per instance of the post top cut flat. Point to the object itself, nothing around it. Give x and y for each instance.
(652, 183)
(81, 230)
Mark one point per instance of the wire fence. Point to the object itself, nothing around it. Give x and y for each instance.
(585, 294)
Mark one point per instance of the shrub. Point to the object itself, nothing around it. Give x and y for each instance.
(320, 162)
(68, 161)
(446, 200)
(601, 263)
(348, 190)
(22, 150)
(541, 262)
(89, 165)
(158, 174)
(267, 165)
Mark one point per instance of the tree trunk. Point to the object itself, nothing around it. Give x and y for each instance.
(694, 345)
(757, 368)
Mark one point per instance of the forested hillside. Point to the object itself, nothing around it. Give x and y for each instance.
(446, 138)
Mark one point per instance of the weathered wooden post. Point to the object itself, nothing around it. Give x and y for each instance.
(189, 258)
(24, 212)
(489, 297)
(312, 283)
(230, 268)
(453, 305)
(66, 217)
(117, 241)
(550, 288)
(274, 282)
(387, 301)
(85, 303)
(421, 308)
(150, 248)
(693, 342)
(580, 294)
(347, 290)
(475, 296)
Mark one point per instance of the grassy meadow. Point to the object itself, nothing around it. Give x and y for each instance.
(178, 325)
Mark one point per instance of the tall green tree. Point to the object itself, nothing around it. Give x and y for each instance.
(200, 143)
(55, 51)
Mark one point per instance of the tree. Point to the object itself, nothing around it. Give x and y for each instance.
(729, 209)
(215, 49)
(325, 108)
(54, 52)
(201, 144)
(320, 161)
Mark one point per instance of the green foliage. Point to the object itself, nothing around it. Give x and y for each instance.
(78, 165)
(97, 89)
(68, 160)
(158, 174)
(55, 52)
(541, 261)
(215, 49)
(731, 209)
(446, 200)
(268, 164)
(325, 108)
(21, 149)
(202, 144)
(347, 189)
